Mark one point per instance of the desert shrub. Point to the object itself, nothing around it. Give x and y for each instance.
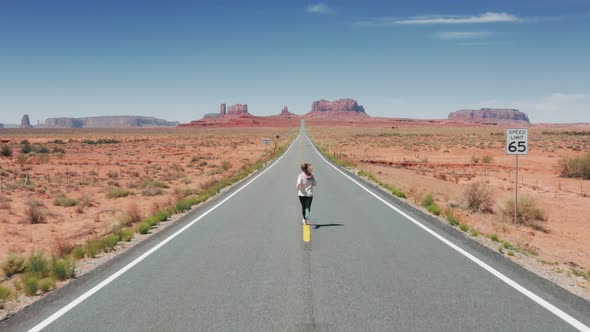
(225, 165)
(134, 213)
(434, 209)
(152, 191)
(78, 252)
(427, 200)
(487, 159)
(58, 150)
(34, 212)
(527, 213)
(22, 158)
(183, 205)
(578, 167)
(47, 284)
(451, 217)
(126, 234)
(463, 227)
(143, 228)
(109, 242)
(430, 205)
(30, 284)
(62, 269)
(37, 263)
(65, 201)
(162, 215)
(14, 264)
(149, 183)
(4, 295)
(43, 149)
(474, 232)
(26, 148)
(119, 192)
(93, 246)
(494, 237)
(101, 141)
(6, 151)
(479, 197)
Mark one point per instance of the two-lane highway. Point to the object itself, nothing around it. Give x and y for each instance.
(243, 267)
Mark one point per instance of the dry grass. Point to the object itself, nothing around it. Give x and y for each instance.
(478, 196)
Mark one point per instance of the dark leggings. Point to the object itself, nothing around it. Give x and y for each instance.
(305, 205)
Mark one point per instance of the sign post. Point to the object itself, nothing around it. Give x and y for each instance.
(517, 143)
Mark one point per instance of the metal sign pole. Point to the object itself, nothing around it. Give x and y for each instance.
(516, 193)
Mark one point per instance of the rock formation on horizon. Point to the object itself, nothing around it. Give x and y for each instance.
(285, 112)
(490, 115)
(1, 125)
(338, 108)
(238, 109)
(25, 122)
(125, 121)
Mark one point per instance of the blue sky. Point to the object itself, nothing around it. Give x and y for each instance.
(180, 59)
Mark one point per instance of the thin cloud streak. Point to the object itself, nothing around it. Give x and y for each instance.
(319, 8)
(462, 35)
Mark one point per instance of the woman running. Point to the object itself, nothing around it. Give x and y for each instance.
(305, 184)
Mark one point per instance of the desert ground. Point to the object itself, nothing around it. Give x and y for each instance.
(444, 160)
(76, 184)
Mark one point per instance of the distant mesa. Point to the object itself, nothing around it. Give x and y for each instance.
(124, 121)
(336, 109)
(1, 125)
(490, 116)
(285, 112)
(25, 122)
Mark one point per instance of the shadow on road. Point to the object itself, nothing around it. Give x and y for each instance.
(316, 226)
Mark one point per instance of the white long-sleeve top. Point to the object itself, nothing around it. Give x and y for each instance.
(305, 185)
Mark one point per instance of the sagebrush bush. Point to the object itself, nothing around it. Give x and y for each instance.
(4, 295)
(430, 205)
(134, 213)
(119, 192)
(427, 200)
(6, 151)
(14, 264)
(65, 201)
(62, 269)
(30, 284)
(479, 197)
(143, 228)
(93, 246)
(452, 218)
(126, 234)
(47, 284)
(37, 263)
(34, 212)
(110, 241)
(78, 252)
(527, 213)
(578, 167)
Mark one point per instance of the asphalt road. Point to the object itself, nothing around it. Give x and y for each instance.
(244, 267)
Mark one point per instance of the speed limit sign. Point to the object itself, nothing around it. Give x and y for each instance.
(517, 141)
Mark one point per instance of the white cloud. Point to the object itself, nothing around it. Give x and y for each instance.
(488, 17)
(462, 34)
(319, 8)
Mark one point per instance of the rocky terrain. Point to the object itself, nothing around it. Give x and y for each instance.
(25, 122)
(107, 122)
(490, 116)
(338, 108)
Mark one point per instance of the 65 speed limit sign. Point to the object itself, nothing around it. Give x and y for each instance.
(517, 141)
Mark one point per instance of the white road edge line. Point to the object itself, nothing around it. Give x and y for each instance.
(553, 309)
(136, 261)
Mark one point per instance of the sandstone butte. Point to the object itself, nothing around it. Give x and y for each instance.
(490, 116)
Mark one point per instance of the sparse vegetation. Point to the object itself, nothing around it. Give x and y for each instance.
(101, 141)
(4, 295)
(78, 252)
(6, 150)
(430, 205)
(14, 264)
(474, 232)
(479, 197)
(578, 167)
(34, 212)
(463, 227)
(30, 284)
(65, 201)
(47, 284)
(528, 213)
(118, 193)
(494, 237)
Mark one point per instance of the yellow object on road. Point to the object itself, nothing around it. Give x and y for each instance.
(306, 233)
